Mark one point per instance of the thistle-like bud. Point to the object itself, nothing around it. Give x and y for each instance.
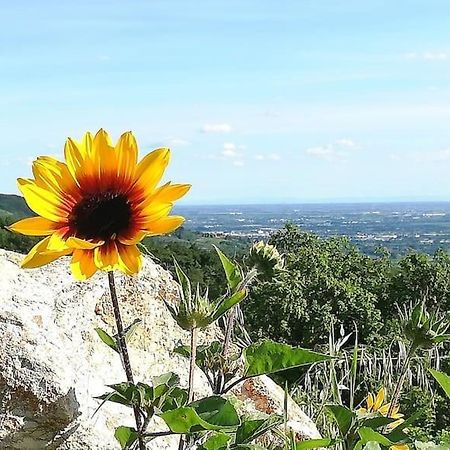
(424, 329)
(194, 310)
(266, 259)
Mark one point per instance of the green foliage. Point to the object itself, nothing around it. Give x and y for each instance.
(210, 413)
(327, 281)
(126, 436)
(443, 379)
(195, 310)
(267, 357)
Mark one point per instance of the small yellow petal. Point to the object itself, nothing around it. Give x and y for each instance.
(39, 255)
(106, 256)
(133, 239)
(130, 259)
(165, 225)
(370, 402)
(81, 244)
(82, 264)
(34, 226)
(379, 400)
(57, 243)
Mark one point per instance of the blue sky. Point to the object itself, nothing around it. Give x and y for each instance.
(260, 101)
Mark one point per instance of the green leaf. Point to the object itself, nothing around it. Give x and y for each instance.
(218, 441)
(368, 435)
(126, 436)
(184, 281)
(227, 303)
(210, 413)
(343, 416)
(441, 338)
(131, 329)
(377, 422)
(314, 443)
(372, 446)
(442, 379)
(107, 339)
(231, 269)
(269, 357)
(251, 429)
(216, 410)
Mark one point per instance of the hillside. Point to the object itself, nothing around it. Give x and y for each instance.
(14, 206)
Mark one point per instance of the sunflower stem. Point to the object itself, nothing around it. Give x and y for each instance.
(124, 352)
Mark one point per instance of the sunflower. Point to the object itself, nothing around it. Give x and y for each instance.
(98, 205)
(375, 405)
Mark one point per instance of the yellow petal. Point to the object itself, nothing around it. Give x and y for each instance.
(34, 226)
(54, 176)
(130, 259)
(42, 202)
(369, 402)
(167, 193)
(57, 243)
(105, 160)
(165, 225)
(74, 157)
(127, 153)
(82, 264)
(384, 409)
(133, 239)
(151, 169)
(39, 255)
(81, 244)
(86, 147)
(399, 447)
(379, 400)
(171, 192)
(106, 256)
(151, 213)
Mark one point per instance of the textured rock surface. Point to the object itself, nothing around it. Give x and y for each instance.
(52, 362)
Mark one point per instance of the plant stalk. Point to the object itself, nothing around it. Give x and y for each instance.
(399, 384)
(193, 357)
(194, 334)
(124, 352)
(228, 332)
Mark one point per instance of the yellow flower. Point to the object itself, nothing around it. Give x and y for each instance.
(375, 405)
(399, 447)
(98, 205)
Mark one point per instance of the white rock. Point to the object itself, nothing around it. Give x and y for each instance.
(52, 363)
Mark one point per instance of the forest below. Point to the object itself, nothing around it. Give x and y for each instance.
(328, 295)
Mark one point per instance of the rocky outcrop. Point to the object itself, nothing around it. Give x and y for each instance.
(52, 363)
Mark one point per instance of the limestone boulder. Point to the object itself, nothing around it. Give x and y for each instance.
(53, 364)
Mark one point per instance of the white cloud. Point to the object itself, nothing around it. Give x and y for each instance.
(336, 151)
(216, 128)
(268, 157)
(177, 142)
(434, 156)
(233, 153)
(428, 56)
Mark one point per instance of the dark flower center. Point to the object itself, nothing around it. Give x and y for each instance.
(101, 216)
